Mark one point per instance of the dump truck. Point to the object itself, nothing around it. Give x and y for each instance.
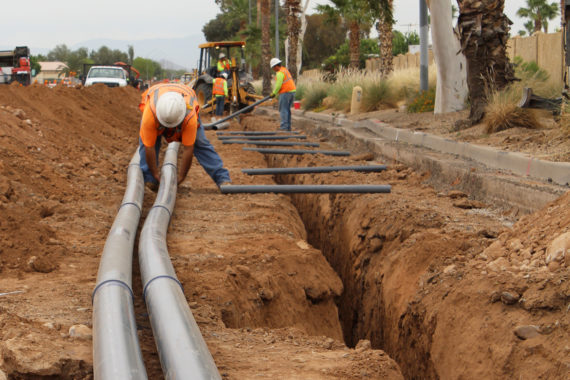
(15, 66)
(240, 88)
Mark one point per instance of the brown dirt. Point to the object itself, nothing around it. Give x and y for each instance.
(423, 277)
(549, 142)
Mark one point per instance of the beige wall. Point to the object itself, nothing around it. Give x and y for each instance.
(544, 49)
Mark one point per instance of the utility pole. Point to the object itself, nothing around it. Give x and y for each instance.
(423, 46)
(249, 12)
(276, 28)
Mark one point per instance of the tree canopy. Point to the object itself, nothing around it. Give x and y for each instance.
(539, 12)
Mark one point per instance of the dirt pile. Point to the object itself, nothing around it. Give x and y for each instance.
(444, 285)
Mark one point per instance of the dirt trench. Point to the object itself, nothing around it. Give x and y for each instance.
(443, 284)
(263, 298)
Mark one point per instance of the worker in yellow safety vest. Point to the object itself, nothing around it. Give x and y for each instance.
(223, 63)
(285, 87)
(220, 92)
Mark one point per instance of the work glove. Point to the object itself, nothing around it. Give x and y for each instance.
(272, 95)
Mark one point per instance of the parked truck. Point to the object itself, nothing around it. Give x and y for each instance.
(15, 66)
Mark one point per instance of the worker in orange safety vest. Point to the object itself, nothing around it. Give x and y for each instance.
(285, 87)
(220, 92)
(171, 111)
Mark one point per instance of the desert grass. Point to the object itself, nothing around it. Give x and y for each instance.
(377, 91)
(502, 111)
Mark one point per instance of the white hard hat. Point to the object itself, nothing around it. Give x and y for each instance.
(171, 109)
(225, 75)
(274, 62)
(222, 55)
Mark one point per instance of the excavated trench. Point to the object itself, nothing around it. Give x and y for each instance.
(386, 248)
(355, 233)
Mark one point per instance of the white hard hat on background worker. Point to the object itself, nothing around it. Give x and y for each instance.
(222, 55)
(274, 62)
(171, 109)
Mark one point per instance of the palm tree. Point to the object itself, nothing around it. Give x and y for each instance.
(354, 13)
(265, 46)
(484, 32)
(383, 11)
(539, 11)
(293, 26)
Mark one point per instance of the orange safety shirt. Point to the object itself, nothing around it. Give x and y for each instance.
(150, 126)
(218, 88)
(288, 84)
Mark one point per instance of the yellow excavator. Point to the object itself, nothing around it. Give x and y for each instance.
(240, 88)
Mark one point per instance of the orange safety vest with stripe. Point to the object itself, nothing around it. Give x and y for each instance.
(218, 88)
(288, 84)
(151, 97)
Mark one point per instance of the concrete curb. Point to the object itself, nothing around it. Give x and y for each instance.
(515, 162)
(461, 166)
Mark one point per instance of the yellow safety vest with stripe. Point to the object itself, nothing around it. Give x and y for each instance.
(288, 85)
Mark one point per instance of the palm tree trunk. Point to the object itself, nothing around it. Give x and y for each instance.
(265, 46)
(354, 44)
(385, 43)
(293, 26)
(484, 31)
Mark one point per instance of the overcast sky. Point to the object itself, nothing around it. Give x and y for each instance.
(45, 24)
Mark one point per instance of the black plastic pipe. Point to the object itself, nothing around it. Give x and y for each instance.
(211, 125)
(254, 133)
(273, 143)
(299, 151)
(286, 189)
(314, 169)
(264, 137)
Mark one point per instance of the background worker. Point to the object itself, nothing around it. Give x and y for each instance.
(220, 91)
(171, 110)
(223, 64)
(285, 87)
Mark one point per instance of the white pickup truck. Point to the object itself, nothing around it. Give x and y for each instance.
(111, 76)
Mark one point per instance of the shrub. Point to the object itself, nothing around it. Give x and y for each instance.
(502, 111)
(313, 96)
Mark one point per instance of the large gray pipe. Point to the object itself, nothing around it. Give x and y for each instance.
(272, 143)
(314, 169)
(116, 351)
(181, 348)
(282, 189)
(299, 151)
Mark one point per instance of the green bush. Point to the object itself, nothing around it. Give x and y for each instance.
(313, 96)
(423, 101)
(375, 94)
(301, 88)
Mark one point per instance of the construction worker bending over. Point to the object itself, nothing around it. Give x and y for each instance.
(220, 91)
(171, 110)
(285, 87)
(223, 64)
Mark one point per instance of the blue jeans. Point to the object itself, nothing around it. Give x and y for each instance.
(220, 101)
(285, 103)
(204, 153)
